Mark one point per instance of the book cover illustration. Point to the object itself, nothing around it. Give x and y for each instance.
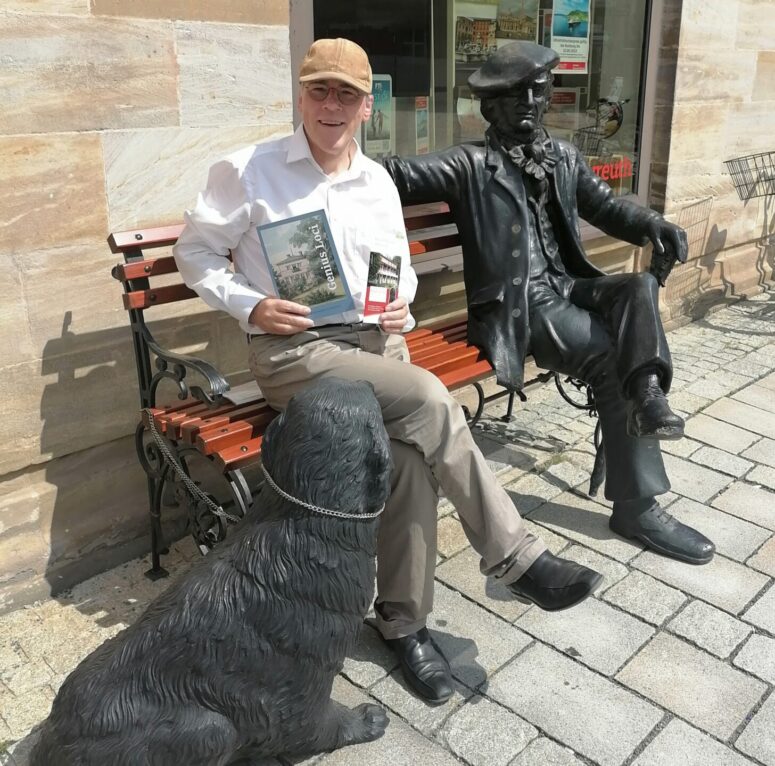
(305, 265)
(381, 285)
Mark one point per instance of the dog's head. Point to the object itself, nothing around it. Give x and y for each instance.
(330, 448)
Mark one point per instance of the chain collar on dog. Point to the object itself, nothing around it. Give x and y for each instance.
(316, 508)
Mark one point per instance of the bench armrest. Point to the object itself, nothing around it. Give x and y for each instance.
(174, 367)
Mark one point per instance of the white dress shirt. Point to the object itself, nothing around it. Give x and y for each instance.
(271, 182)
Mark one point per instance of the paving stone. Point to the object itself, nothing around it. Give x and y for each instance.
(593, 632)
(23, 711)
(762, 613)
(371, 660)
(531, 491)
(679, 743)
(757, 396)
(27, 678)
(764, 475)
(706, 429)
(394, 694)
(591, 714)
(401, 744)
(586, 522)
(764, 560)
(722, 582)
(486, 734)
(462, 573)
(692, 480)
(710, 628)
(611, 570)
(768, 381)
(762, 451)
(680, 447)
(693, 685)
(475, 642)
(748, 502)
(451, 537)
(747, 366)
(645, 597)
(733, 537)
(565, 475)
(545, 752)
(687, 402)
(758, 657)
(718, 384)
(758, 738)
(722, 461)
(744, 415)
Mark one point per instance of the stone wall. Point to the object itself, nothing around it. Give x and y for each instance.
(715, 101)
(112, 113)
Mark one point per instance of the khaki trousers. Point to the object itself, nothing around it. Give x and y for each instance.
(432, 446)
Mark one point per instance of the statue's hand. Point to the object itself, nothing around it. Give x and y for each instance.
(670, 245)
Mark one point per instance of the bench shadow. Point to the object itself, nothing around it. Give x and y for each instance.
(97, 507)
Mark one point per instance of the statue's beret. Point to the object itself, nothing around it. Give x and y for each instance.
(511, 65)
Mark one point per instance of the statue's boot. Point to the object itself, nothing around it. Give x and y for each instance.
(424, 667)
(650, 414)
(553, 583)
(645, 520)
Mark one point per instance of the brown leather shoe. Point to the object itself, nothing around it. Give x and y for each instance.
(424, 667)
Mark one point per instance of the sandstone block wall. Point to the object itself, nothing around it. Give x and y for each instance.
(112, 113)
(715, 101)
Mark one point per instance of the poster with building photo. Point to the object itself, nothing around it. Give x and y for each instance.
(421, 128)
(379, 127)
(475, 24)
(570, 35)
(517, 20)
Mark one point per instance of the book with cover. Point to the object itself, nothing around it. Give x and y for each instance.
(305, 265)
(382, 284)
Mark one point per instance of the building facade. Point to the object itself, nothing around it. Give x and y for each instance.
(113, 112)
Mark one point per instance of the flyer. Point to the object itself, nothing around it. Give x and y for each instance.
(517, 20)
(379, 127)
(422, 135)
(570, 35)
(381, 285)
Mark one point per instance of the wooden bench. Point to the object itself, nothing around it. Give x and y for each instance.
(228, 434)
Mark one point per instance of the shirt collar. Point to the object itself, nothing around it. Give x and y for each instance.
(298, 149)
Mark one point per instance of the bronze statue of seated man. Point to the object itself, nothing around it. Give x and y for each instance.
(517, 200)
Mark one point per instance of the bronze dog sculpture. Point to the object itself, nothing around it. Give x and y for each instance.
(235, 662)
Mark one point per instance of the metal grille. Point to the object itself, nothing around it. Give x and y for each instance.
(753, 175)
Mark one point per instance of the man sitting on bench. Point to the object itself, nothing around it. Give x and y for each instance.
(517, 200)
(321, 167)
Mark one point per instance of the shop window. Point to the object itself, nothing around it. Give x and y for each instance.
(422, 52)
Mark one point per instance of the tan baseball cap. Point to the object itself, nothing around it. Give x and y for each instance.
(337, 59)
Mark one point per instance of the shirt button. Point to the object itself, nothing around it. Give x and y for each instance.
(516, 228)
(516, 281)
(516, 313)
(516, 253)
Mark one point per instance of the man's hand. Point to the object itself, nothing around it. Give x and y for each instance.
(670, 245)
(393, 319)
(279, 317)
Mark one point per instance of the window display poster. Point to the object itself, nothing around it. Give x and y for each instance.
(421, 125)
(517, 20)
(475, 25)
(570, 35)
(379, 127)
(545, 32)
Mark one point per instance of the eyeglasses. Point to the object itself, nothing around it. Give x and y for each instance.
(346, 95)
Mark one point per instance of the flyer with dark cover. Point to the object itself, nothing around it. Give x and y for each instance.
(305, 265)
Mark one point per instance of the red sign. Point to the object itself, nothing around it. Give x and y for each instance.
(612, 171)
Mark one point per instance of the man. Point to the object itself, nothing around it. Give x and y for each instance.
(321, 167)
(530, 287)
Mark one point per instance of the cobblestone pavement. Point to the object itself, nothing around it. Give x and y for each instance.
(667, 664)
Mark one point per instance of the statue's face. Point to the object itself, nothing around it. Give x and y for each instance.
(517, 113)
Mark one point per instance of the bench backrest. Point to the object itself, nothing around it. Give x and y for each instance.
(433, 243)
